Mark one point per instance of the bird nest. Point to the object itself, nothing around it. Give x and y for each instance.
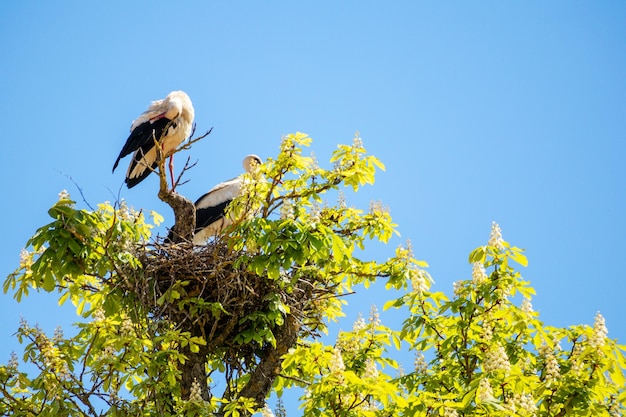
(209, 292)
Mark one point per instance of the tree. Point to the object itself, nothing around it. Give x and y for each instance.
(172, 329)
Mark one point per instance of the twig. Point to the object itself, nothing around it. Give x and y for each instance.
(80, 190)
(187, 167)
(187, 145)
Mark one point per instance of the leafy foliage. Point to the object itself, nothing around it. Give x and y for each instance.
(251, 305)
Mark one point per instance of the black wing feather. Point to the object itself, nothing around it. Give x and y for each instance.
(208, 215)
(142, 137)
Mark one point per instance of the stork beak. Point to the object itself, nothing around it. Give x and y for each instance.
(157, 117)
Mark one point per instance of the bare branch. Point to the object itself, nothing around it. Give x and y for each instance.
(80, 190)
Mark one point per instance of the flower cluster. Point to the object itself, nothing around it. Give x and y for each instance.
(371, 371)
(420, 363)
(378, 207)
(287, 211)
(267, 412)
(527, 403)
(479, 275)
(98, 315)
(359, 324)
(341, 200)
(196, 392)
(521, 405)
(496, 359)
(527, 306)
(487, 330)
(336, 364)
(357, 142)
(127, 328)
(374, 318)
(485, 392)
(575, 358)
(600, 332)
(315, 215)
(450, 412)
(58, 335)
(419, 280)
(552, 368)
(13, 364)
(457, 288)
(495, 238)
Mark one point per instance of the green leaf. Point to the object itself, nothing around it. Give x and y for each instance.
(477, 255)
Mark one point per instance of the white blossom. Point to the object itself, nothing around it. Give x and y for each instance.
(552, 368)
(336, 364)
(371, 371)
(495, 239)
(575, 359)
(487, 330)
(58, 335)
(341, 200)
(450, 412)
(25, 260)
(315, 215)
(98, 315)
(64, 195)
(479, 275)
(314, 164)
(527, 403)
(357, 142)
(126, 329)
(359, 324)
(374, 318)
(267, 412)
(420, 363)
(378, 207)
(108, 352)
(527, 306)
(600, 332)
(419, 280)
(287, 211)
(496, 359)
(13, 363)
(485, 392)
(196, 393)
(457, 288)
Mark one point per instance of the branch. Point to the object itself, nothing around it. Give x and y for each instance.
(80, 190)
(184, 210)
(263, 376)
(193, 140)
(186, 168)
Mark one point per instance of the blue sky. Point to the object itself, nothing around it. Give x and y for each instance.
(481, 111)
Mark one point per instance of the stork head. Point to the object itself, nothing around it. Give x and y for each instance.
(251, 161)
(178, 103)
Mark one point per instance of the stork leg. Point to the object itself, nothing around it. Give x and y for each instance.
(172, 171)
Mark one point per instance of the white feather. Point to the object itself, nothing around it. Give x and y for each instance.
(176, 107)
(221, 193)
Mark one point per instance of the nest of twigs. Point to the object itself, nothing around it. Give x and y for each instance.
(206, 291)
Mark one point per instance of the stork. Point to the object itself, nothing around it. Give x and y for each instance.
(169, 122)
(211, 217)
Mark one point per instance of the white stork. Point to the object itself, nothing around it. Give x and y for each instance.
(168, 121)
(211, 208)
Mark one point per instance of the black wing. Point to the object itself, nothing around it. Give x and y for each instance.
(204, 217)
(142, 138)
(208, 215)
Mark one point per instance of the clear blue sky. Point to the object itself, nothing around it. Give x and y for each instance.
(481, 111)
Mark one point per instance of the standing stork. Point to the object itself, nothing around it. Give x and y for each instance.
(211, 208)
(167, 122)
